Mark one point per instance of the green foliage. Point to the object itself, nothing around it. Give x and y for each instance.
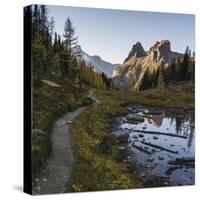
(147, 80)
(181, 69)
(161, 77)
(48, 104)
(97, 167)
(89, 77)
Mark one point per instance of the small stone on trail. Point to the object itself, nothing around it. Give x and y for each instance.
(44, 179)
(142, 174)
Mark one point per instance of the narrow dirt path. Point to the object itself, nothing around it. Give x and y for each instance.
(56, 172)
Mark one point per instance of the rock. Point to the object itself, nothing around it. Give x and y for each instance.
(141, 135)
(37, 131)
(160, 158)
(121, 148)
(150, 159)
(154, 112)
(146, 111)
(142, 174)
(166, 183)
(70, 122)
(129, 157)
(172, 145)
(155, 137)
(144, 127)
(50, 83)
(44, 179)
(120, 120)
(123, 138)
(134, 118)
(135, 137)
(37, 180)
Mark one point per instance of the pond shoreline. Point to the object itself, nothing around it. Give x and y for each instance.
(129, 157)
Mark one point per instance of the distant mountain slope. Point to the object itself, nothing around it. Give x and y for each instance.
(138, 61)
(96, 61)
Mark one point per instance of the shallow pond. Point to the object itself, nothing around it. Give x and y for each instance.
(161, 144)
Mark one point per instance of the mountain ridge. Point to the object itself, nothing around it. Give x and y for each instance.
(138, 61)
(96, 62)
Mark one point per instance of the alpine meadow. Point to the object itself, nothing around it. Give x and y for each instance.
(123, 123)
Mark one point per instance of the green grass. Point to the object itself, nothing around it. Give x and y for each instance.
(97, 164)
(177, 95)
(49, 103)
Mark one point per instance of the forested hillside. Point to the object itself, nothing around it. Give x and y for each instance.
(54, 59)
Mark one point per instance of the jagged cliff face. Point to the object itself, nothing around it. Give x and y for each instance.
(129, 74)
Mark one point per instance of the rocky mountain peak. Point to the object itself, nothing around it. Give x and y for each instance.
(138, 61)
(137, 51)
(161, 51)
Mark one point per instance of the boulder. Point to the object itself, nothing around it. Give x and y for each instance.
(123, 138)
(37, 131)
(146, 111)
(155, 137)
(134, 118)
(160, 158)
(141, 135)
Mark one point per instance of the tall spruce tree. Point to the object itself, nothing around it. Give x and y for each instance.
(161, 82)
(70, 40)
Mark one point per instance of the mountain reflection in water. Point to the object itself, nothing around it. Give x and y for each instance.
(159, 141)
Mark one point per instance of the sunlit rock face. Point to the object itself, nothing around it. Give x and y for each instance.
(129, 74)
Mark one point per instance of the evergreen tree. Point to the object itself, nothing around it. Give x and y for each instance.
(51, 27)
(70, 40)
(185, 65)
(145, 82)
(161, 83)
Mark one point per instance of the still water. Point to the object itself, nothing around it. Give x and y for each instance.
(162, 145)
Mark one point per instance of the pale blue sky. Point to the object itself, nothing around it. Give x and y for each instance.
(111, 33)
